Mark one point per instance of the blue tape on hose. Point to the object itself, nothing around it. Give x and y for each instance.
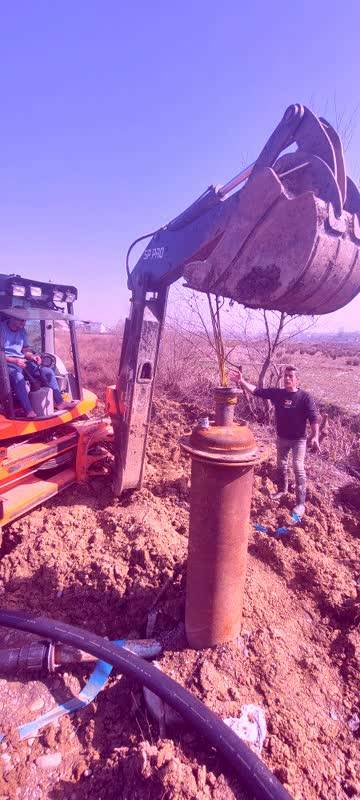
(91, 689)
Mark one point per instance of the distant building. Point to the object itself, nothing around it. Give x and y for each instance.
(92, 327)
(61, 325)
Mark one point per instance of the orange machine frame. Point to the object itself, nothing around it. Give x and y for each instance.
(28, 446)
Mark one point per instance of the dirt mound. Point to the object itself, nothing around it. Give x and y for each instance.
(349, 495)
(96, 562)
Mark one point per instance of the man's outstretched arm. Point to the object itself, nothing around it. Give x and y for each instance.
(264, 394)
(240, 381)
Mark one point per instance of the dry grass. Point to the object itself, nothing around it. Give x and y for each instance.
(99, 358)
(187, 368)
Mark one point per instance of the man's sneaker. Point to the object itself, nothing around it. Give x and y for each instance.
(298, 511)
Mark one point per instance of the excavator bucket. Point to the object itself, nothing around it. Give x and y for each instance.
(292, 239)
(288, 239)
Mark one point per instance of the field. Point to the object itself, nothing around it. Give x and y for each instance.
(101, 563)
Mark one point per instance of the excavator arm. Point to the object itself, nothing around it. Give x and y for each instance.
(284, 234)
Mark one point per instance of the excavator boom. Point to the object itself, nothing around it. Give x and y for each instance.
(284, 234)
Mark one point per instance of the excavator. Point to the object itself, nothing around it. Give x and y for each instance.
(283, 234)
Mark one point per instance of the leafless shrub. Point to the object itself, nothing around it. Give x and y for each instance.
(186, 366)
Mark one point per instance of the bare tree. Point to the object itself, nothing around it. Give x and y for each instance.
(219, 341)
(345, 123)
(279, 328)
(263, 335)
(274, 329)
(202, 324)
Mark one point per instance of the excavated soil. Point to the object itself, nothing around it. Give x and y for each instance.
(100, 563)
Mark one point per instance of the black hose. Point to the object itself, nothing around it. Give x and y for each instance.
(136, 241)
(250, 769)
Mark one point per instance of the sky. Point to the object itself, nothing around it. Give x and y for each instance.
(115, 116)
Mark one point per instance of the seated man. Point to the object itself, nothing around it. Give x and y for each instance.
(20, 357)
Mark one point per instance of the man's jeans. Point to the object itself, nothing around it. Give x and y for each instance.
(44, 374)
(298, 449)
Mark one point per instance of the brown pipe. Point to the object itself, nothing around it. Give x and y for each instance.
(223, 458)
(225, 402)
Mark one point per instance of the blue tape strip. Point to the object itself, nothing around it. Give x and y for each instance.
(281, 531)
(277, 532)
(88, 693)
(260, 528)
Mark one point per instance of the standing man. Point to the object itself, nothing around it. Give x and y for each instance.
(293, 407)
(21, 360)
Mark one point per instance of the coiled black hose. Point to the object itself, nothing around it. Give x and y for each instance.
(250, 769)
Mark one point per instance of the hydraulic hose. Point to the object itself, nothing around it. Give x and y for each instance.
(136, 241)
(253, 773)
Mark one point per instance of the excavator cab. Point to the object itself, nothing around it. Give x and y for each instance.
(47, 311)
(41, 456)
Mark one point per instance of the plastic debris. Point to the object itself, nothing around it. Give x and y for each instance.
(278, 532)
(160, 711)
(275, 533)
(204, 422)
(354, 723)
(260, 528)
(49, 761)
(37, 705)
(250, 726)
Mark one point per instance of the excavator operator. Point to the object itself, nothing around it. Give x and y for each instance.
(293, 408)
(24, 364)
